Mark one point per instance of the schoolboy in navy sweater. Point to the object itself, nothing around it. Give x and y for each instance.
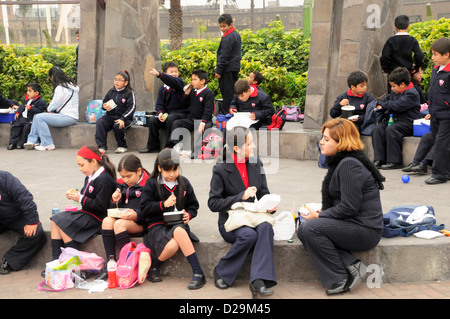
(404, 104)
(170, 101)
(200, 100)
(401, 50)
(18, 212)
(32, 104)
(250, 99)
(356, 96)
(228, 59)
(439, 107)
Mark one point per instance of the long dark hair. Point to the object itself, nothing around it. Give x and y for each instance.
(237, 136)
(104, 161)
(58, 77)
(168, 160)
(131, 163)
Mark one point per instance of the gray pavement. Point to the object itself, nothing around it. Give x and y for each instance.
(48, 175)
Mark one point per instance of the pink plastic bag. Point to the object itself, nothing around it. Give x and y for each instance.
(90, 262)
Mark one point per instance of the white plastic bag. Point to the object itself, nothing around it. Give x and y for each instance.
(284, 226)
(428, 234)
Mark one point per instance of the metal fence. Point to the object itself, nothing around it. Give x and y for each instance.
(39, 23)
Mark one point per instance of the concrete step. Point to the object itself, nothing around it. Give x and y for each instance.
(293, 142)
(393, 260)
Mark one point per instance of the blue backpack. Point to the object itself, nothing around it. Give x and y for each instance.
(397, 222)
(94, 111)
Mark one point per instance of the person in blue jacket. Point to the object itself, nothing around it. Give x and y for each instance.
(250, 99)
(439, 107)
(119, 115)
(404, 104)
(18, 212)
(228, 59)
(355, 96)
(32, 104)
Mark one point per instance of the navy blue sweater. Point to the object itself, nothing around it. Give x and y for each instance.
(201, 105)
(229, 52)
(152, 203)
(131, 196)
(439, 93)
(126, 104)
(398, 52)
(171, 95)
(404, 106)
(258, 103)
(38, 105)
(5, 103)
(97, 195)
(16, 201)
(359, 102)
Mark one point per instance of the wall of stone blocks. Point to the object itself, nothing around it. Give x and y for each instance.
(347, 35)
(123, 36)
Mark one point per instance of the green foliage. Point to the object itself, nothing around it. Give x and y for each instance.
(426, 34)
(20, 65)
(277, 48)
(282, 58)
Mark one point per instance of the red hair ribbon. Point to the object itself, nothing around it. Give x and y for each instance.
(87, 153)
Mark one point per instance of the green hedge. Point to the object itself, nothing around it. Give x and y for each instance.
(282, 58)
(426, 33)
(21, 65)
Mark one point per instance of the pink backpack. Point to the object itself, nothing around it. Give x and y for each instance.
(133, 265)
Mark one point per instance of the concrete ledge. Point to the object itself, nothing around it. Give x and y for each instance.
(293, 142)
(395, 259)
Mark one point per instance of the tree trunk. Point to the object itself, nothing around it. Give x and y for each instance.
(175, 25)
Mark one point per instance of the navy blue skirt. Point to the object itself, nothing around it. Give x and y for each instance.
(79, 226)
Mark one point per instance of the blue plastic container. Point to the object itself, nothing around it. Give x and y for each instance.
(421, 127)
(7, 117)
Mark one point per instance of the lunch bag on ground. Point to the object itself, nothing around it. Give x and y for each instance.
(133, 265)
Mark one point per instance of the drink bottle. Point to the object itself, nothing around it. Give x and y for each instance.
(112, 278)
(391, 119)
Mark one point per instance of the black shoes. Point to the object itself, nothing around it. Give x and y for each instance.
(391, 166)
(408, 169)
(260, 292)
(219, 282)
(14, 146)
(378, 164)
(337, 288)
(418, 168)
(434, 181)
(5, 268)
(357, 272)
(197, 282)
(154, 275)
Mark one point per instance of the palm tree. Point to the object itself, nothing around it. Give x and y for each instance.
(175, 25)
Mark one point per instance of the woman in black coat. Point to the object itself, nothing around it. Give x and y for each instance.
(351, 218)
(240, 177)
